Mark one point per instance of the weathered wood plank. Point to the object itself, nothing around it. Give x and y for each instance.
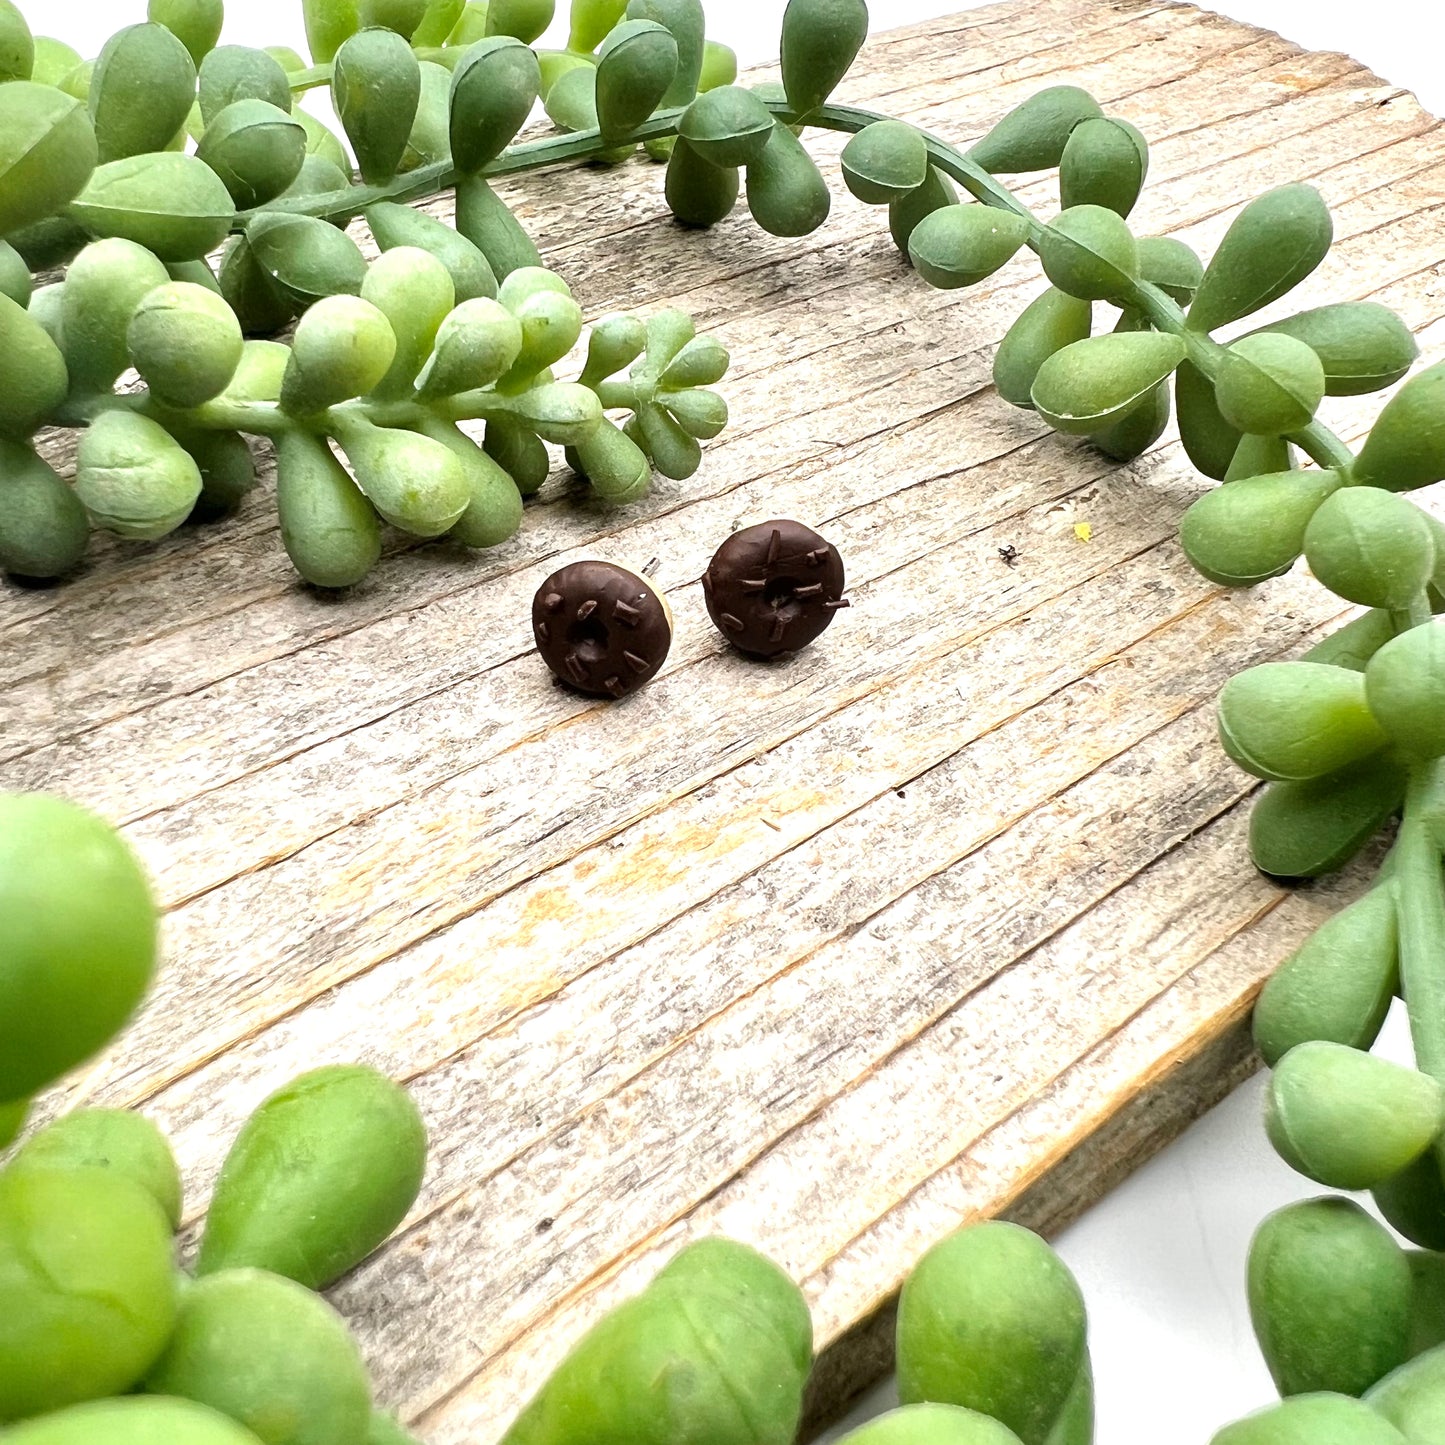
(750, 951)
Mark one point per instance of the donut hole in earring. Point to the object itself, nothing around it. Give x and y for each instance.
(781, 594)
(590, 638)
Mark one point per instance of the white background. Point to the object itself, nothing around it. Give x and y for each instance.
(1161, 1260)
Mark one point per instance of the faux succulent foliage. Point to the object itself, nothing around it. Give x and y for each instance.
(98, 169)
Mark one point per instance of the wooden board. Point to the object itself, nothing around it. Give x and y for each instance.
(949, 915)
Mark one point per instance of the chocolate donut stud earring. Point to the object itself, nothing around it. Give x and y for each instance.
(774, 587)
(601, 629)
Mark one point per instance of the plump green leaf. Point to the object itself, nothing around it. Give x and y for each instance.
(1413, 1202)
(1104, 163)
(959, 245)
(261, 306)
(1348, 1120)
(523, 20)
(821, 40)
(1372, 547)
(376, 88)
(1032, 136)
(905, 213)
(928, 1424)
(1269, 384)
(493, 91)
(1271, 246)
(1286, 721)
(552, 65)
(729, 126)
(86, 1260)
(719, 1315)
(413, 289)
(699, 412)
(992, 1320)
(396, 225)
(133, 477)
(132, 1420)
(1329, 1295)
(117, 1142)
(787, 194)
(43, 527)
(343, 347)
(1405, 683)
(317, 177)
(141, 91)
(227, 467)
(494, 511)
(884, 162)
(1252, 529)
(1304, 830)
(328, 24)
(699, 194)
(238, 72)
(487, 222)
(330, 531)
(1209, 441)
(402, 16)
(416, 483)
(1412, 1398)
(437, 22)
(33, 377)
(47, 153)
(617, 468)
(258, 1348)
(106, 283)
(1338, 985)
(195, 23)
(1047, 324)
(1362, 345)
(174, 205)
(1258, 456)
(17, 45)
(1088, 385)
(54, 60)
(185, 342)
(1170, 265)
(307, 258)
(430, 139)
(1089, 252)
(684, 20)
(520, 452)
(320, 141)
(637, 64)
(1323, 1419)
(470, 27)
(1133, 433)
(719, 66)
(703, 361)
(477, 343)
(256, 149)
(290, 1198)
(1406, 445)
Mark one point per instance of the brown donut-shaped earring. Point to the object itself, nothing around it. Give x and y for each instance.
(774, 587)
(602, 629)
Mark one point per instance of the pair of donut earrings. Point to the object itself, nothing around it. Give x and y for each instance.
(605, 631)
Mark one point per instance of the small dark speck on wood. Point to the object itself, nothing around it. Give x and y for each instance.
(543, 1225)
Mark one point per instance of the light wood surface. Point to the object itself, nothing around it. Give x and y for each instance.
(948, 915)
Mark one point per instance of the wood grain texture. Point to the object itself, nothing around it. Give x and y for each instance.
(949, 915)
